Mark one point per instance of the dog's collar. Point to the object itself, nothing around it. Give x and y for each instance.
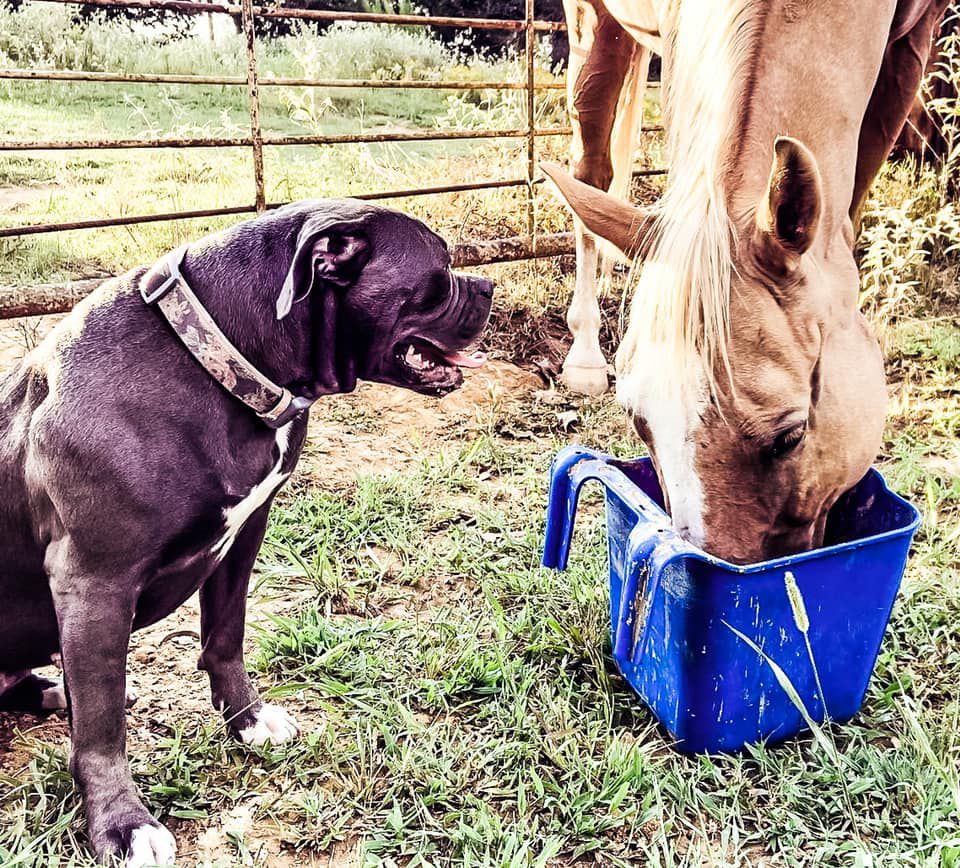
(165, 288)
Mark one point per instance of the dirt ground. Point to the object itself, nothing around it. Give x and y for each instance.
(376, 429)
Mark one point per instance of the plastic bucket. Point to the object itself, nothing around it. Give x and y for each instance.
(681, 618)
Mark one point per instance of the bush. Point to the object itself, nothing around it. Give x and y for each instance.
(53, 37)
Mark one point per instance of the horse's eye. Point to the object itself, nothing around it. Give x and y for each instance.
(786, 441)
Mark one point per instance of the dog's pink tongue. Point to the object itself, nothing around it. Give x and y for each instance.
(462, 360)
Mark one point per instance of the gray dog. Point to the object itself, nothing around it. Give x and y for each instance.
(142, 443)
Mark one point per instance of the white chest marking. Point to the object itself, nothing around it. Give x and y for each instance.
(673, 422)
(236, 516)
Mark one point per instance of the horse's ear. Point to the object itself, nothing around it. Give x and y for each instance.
(625, 226)
(789, 212)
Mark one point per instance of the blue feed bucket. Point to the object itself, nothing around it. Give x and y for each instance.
(684, 624)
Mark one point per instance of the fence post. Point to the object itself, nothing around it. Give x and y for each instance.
(531, 50)
(253, 93)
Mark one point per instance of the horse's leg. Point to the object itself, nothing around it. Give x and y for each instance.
(623, 146)
(893, 97)
(600, 56)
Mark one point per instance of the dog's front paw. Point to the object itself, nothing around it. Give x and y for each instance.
(134, 837)
(150, 845)
(271, 723)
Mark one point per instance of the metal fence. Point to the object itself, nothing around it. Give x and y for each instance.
(46, 299)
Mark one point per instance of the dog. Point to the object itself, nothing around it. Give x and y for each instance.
(142, 444)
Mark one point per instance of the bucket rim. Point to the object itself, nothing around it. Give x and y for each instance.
(681, 548)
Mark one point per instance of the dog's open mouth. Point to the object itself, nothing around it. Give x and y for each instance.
(431, 368)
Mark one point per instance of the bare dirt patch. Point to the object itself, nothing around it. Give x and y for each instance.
(380, 429)
(19, 336)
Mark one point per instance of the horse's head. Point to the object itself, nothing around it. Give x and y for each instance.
(756, 441)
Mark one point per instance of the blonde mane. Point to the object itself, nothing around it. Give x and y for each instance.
(679, 312)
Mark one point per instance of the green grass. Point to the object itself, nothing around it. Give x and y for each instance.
(469, 710)
(53, 187)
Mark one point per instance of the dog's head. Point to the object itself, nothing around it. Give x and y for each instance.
(384, 302)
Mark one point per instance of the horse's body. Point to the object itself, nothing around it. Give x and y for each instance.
(746, 366)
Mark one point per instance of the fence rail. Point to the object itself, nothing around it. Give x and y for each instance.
(16, 302)
(49, 298)
(197, 8)
(241, 81)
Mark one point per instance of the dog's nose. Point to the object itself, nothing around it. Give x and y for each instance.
(480, 285)
(484, 286)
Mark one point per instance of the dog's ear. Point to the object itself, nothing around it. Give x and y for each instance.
(328, 250)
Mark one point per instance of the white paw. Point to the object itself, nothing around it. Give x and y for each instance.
(273, 724)
(151, 845)
(54, 697)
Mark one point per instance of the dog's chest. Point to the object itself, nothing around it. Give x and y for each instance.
(237, 515)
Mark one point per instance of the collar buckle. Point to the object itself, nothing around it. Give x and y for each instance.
(174, 261)
(286, 409)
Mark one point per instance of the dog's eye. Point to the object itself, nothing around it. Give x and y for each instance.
(437, 290)
(786, 441)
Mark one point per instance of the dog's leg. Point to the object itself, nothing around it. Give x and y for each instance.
(95, 613)
(34, 694)
(223, 599)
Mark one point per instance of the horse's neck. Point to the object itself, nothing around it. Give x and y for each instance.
(791, 86)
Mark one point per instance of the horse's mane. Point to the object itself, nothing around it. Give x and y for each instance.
(679, 313)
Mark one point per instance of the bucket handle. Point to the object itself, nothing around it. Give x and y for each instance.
(633, 621)
(573, 466)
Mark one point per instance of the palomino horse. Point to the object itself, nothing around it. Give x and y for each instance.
(746, 367)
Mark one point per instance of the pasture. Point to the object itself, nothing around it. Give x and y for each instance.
(459, 702)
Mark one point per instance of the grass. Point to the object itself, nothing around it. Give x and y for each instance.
(469, 710)
(464, 705)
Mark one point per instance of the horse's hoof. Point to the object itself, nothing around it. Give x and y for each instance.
(585, 380)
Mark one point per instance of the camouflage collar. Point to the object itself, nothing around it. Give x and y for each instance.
(166, 289)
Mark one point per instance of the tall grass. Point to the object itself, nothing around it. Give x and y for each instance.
(911, 224)
(39, 36)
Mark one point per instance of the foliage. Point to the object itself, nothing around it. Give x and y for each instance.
(52, 37)
(910, 233)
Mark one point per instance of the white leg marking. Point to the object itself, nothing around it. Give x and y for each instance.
(585, 368)
(151, 845)
(273, 724)
(237, 516)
